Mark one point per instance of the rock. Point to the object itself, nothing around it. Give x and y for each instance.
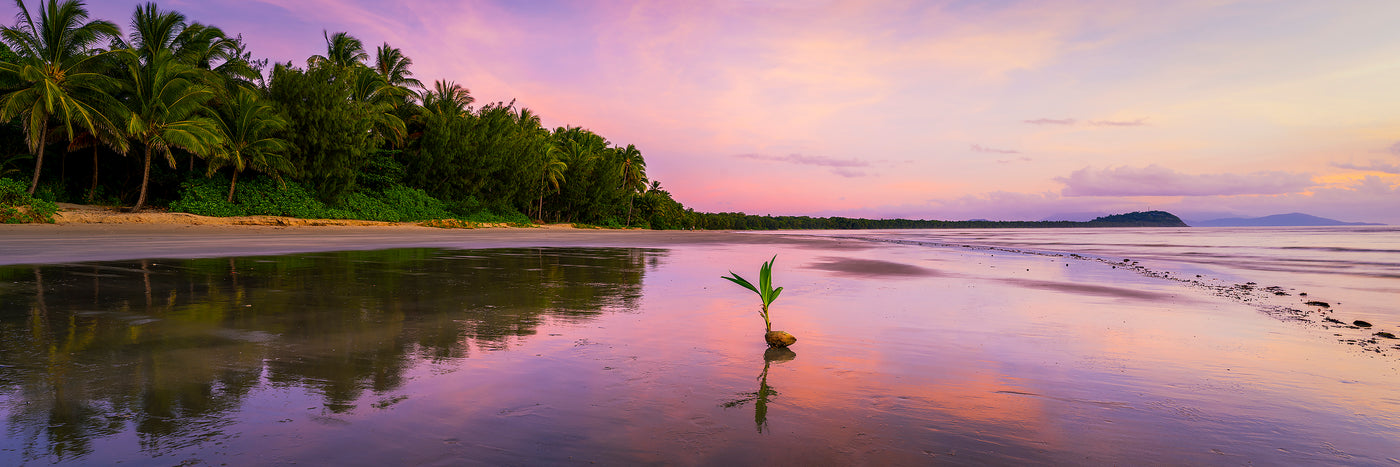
(1361, 324)
(1333, 320)
(779, 338)
(1317, 303)
(1385, 335)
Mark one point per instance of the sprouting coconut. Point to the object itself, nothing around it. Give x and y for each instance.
(767, 294)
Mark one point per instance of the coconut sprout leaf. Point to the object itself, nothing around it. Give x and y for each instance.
(743, 282)
(766, 293)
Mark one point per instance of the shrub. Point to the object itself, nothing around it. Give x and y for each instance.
(17, 207)
(413, 204)
(206, 197)
(512, 217)
(265, 197)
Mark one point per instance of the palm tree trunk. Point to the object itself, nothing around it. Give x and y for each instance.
(38, 159)
(539, 212)
(92, 192)
(145, 179)
(231, 183)
(629, 210)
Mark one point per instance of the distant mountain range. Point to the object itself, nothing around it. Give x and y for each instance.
(1295, 219)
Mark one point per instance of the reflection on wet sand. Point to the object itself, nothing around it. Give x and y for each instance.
(170, 349)
(765, 393)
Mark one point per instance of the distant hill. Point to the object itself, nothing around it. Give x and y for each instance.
(1139, 219)
(1294, 219)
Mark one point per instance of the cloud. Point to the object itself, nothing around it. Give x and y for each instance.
(1138, 122)
(841, 167)
(1155, 180)
(800, 159)
(980, 148)
(1052, 121)
(1018, 159)
(1394, 149)
(1375, 166)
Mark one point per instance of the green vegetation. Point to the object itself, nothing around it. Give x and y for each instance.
(766, 293)
(17, 206)
(339, 137)
(741, 221)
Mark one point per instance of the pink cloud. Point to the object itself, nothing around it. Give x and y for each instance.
(1155, 180)
(1050, 121)
(1137, 122)
(1374, 166)
(980, 148)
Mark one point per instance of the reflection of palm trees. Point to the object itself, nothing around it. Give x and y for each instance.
(194, 338)
(765, 393)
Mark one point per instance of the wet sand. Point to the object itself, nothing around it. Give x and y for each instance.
(906, 354)
(64, 243)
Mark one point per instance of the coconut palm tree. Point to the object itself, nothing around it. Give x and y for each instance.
(342, 50)
(634, 175)
(447, 98)
(154, 32)
(379, 98)
(391, 64)
(552, 175)
(166, 107)
(57, 75)
(249, 126)
(237, 66)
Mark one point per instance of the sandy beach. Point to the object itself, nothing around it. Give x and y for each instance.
(90, 233)
(397, 343)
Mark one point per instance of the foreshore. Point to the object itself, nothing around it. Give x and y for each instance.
(619, 335)
(87, 233)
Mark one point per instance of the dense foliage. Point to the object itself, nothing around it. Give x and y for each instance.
(18, 207)
(338, 137)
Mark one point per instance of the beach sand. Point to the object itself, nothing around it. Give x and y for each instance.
(905, 354)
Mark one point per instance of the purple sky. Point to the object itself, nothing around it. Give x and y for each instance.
(923, 109)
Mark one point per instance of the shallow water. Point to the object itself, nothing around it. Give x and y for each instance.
(906, 355)
(1354, 266)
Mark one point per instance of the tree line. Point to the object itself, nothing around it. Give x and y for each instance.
(174, 107)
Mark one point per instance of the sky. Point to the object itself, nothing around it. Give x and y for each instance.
(994, 109)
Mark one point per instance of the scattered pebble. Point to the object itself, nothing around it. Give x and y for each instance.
(1361, 324)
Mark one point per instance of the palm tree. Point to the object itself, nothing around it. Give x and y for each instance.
(249, 126)
(154, 32)
(166, 106)
(237, 66)
(379, 97)
(57, 75)
(342, 50)
(391, 64)
(634, 175)
(447, 98)
(226, 60)
(552, 175)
